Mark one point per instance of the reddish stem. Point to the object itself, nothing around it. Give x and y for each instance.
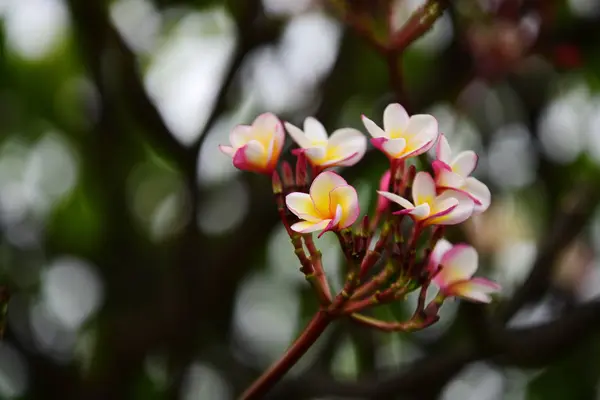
(308, 337)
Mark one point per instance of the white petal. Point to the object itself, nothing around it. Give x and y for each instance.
(394, 147)
(298, 135)
(307, 227)
(314, 130)
(397, 199)
(459, 214)
(479, 191)
(373, 129)
(255, 152)
(348, 142)
(240, 135)
(441, 247)
(464, 163)
(422, 125)
(421, 211)
(449, 179)
(443, 151)
(316, 154)
(423, 189)
(395, 118)
(228, 150)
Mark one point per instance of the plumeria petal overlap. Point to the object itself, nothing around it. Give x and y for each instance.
(429, 208)
(402, 135)
(453, 173)
(345, 147)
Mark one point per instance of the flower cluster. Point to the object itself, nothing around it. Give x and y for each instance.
(315, 199)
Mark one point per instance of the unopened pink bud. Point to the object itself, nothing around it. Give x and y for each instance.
(384, 185)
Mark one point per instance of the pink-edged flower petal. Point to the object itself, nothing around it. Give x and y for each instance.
(346, 199)
(464, 163)
(423, 126)
(227, 150)
(449, 179)
(333, 223)
(439, 166)
(373, 129)
(476, 289)
(349, 144)
(394, 147)
(465, 290)
(384, 186)
(302, 206)
(321, 187)
(460, 213)
(316, 154)
(458, 264)
(240, 135)
(314, 130)
(419, 213)
(423, 189)
(251, 157)
(267, 123)
(480, 192)
(298, 135)
(418, 149)
(395, 120)
(308, 227)
(442, 151)
(378, 142)
(396, 199)
(442, 206)
(441, 248)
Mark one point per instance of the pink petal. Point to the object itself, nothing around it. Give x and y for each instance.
(346, 198)
(320, 189)
(443, 151)
(420, 148)
(439, 166)
(378, 142)
(423, 190)
(476, 289)
(374, 130)
(384, 186)
(464, 163)
(441, 208)
(227, 150)
(314, 130)
(395, 118)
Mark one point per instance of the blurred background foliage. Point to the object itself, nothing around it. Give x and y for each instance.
(142, 265)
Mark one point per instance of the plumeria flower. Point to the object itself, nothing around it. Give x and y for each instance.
(331, 205)
(345, 147)
(453, 174)
(403, 136)
(257, 147)
(449, 208)
(457, 264)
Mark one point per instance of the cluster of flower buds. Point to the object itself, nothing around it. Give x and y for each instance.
(411, 214)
